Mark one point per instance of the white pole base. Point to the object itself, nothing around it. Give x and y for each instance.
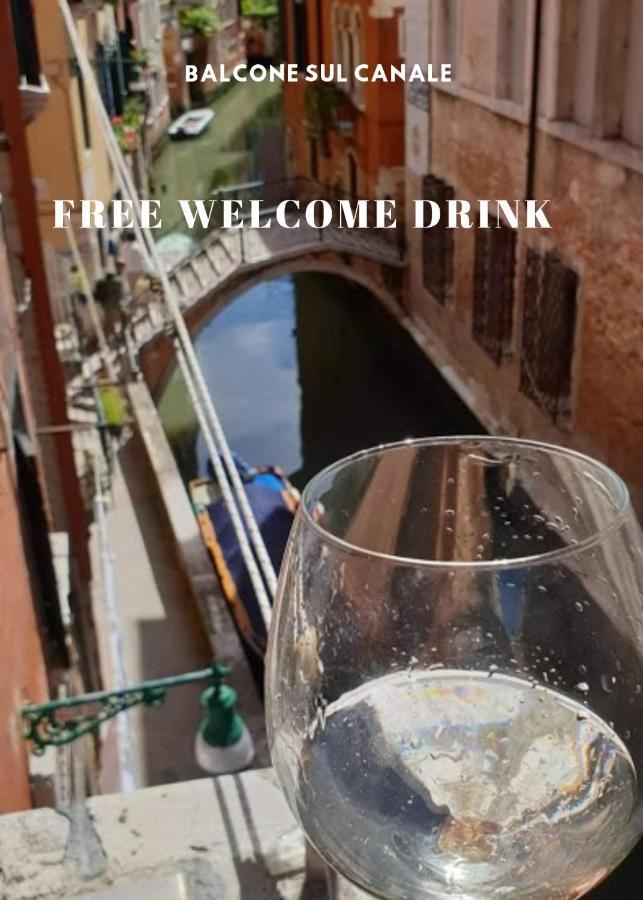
(224, 760)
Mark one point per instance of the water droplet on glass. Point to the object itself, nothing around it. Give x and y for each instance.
(582, 686)
(607, 683)
(579, 606)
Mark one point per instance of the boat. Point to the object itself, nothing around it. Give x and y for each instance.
(191, 124)
(274, 502)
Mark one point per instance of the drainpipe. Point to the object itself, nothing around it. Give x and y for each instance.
(533, 110)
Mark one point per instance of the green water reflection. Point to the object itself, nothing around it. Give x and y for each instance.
(242, 143)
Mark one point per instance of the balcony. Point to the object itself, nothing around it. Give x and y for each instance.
(227, 837)
(34, 90)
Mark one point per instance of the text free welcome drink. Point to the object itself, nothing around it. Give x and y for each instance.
(290, 214)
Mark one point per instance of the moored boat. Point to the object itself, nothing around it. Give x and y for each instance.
(274, 502)
(191, 124)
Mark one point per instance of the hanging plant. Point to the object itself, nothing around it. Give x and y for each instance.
(126, 136)
(127, 127)
(140, 58)
(133, 114)
(322, 100)
(201, 20)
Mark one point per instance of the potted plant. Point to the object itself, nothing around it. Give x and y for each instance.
(141, 60)
(126, 127)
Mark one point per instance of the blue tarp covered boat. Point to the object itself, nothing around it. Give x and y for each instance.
(274, 502)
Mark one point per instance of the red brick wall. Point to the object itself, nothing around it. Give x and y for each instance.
(377, 142)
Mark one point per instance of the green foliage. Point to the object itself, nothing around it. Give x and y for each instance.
(133, 112)
(140, 58)
(202, 19)
(321, 101)
(127, 126)
(258, 8)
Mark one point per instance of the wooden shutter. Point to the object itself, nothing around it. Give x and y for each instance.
(437, 247)
(548, 333)
(493, 289)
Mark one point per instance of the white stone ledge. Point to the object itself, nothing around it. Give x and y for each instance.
(228, 838)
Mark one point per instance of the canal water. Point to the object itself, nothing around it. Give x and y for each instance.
(243, 143)
(305, 369)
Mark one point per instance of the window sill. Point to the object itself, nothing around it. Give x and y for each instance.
(613, 150)
(33, 98)
(501, 107)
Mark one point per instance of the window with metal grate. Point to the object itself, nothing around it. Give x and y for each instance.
(493, 289)
(549, 326)
(438, 243)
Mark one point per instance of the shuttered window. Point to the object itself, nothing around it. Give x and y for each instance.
(548, 333)
(437, 243)
(493, 289)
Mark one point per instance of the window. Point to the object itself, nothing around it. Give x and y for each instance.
(26, 41)
(313, 159)
(512, 42)
(300, 27)
(36, 539)
(632, 125)
(401, 36)
(104, 78)
(351, 166)
(549, 326)
(357, 86)
(438, 243)
(587, 44)
(446, 37)
(601, 69)
(493, 289)
(84, 112)
(337, 34)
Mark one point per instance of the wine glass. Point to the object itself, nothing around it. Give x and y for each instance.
(455, 670)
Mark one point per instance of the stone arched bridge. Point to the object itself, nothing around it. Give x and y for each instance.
(228, 262)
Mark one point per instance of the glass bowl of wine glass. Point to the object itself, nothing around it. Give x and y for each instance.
(455, 670)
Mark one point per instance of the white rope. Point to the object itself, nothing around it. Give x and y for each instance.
(242, 537)
(204, 407)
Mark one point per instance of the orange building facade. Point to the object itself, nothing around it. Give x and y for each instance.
(347, 135)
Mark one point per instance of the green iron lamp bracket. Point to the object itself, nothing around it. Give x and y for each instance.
(60, 722)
